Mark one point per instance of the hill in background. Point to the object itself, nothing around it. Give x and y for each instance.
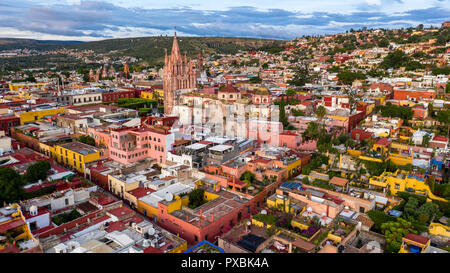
(42, 45)
(150, 49)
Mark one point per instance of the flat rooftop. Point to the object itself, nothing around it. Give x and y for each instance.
(219, 207)
(79, 147)
(220, 148)
(196, 146)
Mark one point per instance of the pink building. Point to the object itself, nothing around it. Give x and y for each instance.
(265, 132)
(100, 134)
(128, 145)
(290, 139)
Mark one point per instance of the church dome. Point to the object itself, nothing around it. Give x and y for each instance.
(262, 91)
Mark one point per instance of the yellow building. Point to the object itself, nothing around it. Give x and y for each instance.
(74, 154)
(147, 95)
(284, 203)
(412, 243)
(148, 205)
(402, 181)
(14, 227)
(38, 114)
(160, 92)
(18, 86)
(439, 229)
(400, 159)
(120, 184)
(293, 166)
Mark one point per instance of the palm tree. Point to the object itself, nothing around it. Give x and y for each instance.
(320, 112)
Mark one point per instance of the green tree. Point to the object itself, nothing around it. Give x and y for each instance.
(86, 139)
(297, 113)
(301, 76)
(430, 109)
(311, 132)
(196, 198)
(248, 177)
(37, 171)
(443, 116)
(379, 218)
(255, 80)
(395, 59)
(426, 140)
(394, 232)
(429, 209)
(320, 112)
(383, 43)
(11, 184)
(348, 77)
(414, 65)
(290, 92)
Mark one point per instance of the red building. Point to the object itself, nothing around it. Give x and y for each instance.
(208, 221)
(439, 142)
(7, 122)
(355, 119)
(97, 173)
(360, 134)
(121, 94)
(402, 94)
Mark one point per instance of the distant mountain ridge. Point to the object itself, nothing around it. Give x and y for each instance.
(150, 49)
(18, 43)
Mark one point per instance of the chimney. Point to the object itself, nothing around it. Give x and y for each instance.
(187, 218)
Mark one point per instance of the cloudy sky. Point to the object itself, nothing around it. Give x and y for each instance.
(280, 19)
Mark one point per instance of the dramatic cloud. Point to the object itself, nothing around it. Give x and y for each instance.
(93, 20)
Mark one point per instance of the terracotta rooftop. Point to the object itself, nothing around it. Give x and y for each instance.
(417, 238)
(365, 220)
(384, 142)
(141, 192)
(229, 88)
(338, 181)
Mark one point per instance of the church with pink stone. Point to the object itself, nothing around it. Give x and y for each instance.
(179, 73)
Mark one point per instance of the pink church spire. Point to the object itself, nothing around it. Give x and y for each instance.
(175, 48)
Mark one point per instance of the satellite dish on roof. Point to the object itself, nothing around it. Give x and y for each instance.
(309, 209)
(248, 223)
(168, 197)
(33, 210)
(264, 211)
(151, 231)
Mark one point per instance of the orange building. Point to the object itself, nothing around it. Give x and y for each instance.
(404, 94)
(420, 112)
